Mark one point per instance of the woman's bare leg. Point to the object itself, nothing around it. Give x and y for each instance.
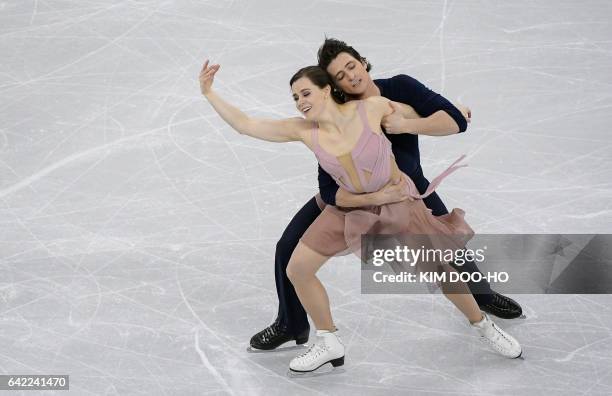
(467, 305)
(459, 294)
(301, 271)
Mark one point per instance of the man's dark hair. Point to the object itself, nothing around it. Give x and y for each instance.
(332, 47)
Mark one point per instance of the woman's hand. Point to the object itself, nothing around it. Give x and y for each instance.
(207, 77)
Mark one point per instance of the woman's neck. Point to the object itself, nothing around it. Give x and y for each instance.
(333, 115)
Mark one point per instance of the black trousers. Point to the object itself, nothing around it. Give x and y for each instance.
(291, 313)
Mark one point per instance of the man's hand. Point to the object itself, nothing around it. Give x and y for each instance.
(394, 191)
(396, 122)
(466, 111)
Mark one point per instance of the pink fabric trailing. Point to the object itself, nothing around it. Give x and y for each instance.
(437, 180)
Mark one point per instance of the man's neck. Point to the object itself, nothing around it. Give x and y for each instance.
(371, 90)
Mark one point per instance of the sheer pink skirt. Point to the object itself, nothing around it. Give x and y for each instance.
(338, 231)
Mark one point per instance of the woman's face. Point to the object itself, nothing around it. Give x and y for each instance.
(309, 99)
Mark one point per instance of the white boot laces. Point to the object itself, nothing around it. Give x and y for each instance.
(314, 351)
(497, 334)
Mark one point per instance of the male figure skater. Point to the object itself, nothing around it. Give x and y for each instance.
(350, 71)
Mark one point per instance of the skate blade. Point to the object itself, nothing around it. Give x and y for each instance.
(518, 317)
(281, 348)
(326, 369)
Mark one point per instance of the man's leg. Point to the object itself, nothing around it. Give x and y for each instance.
(292, 321)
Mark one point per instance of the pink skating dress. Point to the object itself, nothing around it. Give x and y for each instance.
(337, 231)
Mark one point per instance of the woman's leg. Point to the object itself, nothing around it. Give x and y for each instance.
(301, 271)
(328, 348)
(459, 294)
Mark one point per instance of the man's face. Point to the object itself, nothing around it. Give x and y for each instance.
(349, 74)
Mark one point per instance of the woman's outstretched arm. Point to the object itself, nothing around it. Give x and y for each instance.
(286, 130)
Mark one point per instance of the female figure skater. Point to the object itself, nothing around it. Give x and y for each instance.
(348, 142)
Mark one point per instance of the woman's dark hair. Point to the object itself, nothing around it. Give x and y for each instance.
(331, 48)
(321, 79)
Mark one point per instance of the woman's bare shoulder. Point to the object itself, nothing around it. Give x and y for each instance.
(349, 106)
(376, 102)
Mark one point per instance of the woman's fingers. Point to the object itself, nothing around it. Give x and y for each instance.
(210, 74)
(206, 68)
(211, 70)
(207, 76)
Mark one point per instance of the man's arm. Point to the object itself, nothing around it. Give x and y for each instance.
(440, 117)
(332, 194)
(346, 199)
(437, 124)
(402, 118)
(388, 194)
